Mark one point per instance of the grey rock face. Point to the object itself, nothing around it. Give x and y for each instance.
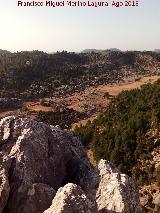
(39, 197)
(116, 192)
(35, 153)
(4, 189)
(36, 160)
(112, 191)
(71, 199)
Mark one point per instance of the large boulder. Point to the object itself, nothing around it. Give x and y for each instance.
(156, 200)
(150, 197)
(4, 189)
(116, 192)
(39, 197)
(112, 191)
(33, 153)
(36, 160)
(71, 199)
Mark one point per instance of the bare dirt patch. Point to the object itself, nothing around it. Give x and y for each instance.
(92, 101)
(36, 106)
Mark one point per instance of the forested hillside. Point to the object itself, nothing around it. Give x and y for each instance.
(128, 134)
(30, 71)
(37, 74)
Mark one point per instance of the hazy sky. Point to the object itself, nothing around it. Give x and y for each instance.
(75, 29)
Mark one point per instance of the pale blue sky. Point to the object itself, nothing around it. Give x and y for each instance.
(75, 29)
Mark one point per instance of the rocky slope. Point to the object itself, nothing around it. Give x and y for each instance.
(45, 169)
(37, 74)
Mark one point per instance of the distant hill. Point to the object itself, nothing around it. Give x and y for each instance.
(4, 51)
(157, 50)
(91, 50)
(115, 50)
(97, 50)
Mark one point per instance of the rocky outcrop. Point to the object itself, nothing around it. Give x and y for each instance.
(112, 191)
(4, 189)
(34, 153)
(116, 192)
(150, 197)
(156, 200)
(37, 160)
(39, 197)
(71, 199)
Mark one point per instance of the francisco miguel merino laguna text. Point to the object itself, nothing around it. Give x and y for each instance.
(62, 4)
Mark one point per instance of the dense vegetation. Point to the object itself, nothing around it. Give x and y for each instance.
(64, 118)
(127, 132)
(10, 103)
(37, 74)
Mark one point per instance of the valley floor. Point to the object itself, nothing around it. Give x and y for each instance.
(91, 101)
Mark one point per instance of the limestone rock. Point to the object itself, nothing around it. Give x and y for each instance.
(36, 160)
(116, 192)
(39, 197)
(31, 153)
(4, 189)
(156, 200)
(150, 197)
(71, 199)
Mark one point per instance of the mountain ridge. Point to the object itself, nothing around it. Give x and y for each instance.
(38, 74)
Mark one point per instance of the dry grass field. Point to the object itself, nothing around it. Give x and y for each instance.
(92, 100)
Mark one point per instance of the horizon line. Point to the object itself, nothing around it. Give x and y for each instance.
(81, 51)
